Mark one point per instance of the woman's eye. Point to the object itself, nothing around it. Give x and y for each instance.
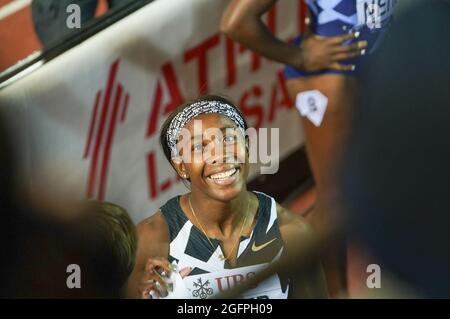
(229, 139)
(197, 147)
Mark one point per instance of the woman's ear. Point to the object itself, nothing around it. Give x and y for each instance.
(179, 166)
(247, 147)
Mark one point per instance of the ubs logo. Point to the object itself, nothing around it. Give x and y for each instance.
(203, 290)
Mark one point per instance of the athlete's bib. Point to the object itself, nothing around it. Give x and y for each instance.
(212, 284)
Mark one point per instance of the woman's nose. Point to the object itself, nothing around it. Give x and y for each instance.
(221, 158)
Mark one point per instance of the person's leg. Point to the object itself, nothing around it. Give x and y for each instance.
(324, 146)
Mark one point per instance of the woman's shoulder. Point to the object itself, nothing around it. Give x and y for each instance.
(292, 224)
(285, 216)
(153, 228)
(289, 222)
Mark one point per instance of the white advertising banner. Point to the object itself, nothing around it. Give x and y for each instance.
(89, 120)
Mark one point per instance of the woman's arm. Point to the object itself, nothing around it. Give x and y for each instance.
(242, 22)
(153, 243)
(309, 281)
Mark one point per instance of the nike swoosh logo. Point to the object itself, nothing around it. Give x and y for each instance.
(258, 248)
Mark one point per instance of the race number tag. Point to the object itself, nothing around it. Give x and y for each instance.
(374, 13)
(211, 284)
(312, 105)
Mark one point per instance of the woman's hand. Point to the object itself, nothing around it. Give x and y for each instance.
(319, 53)
(154, 283)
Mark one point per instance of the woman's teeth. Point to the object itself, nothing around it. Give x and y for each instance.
(223, 175)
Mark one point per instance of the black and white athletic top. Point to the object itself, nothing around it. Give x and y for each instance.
(189, 247)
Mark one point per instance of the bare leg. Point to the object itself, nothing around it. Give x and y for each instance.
(324, 147)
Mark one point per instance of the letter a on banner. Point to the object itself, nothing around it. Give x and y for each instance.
(175, 98)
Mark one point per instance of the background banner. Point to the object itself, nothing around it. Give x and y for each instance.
(88, 121)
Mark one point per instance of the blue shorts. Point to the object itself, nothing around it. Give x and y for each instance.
(337, 17)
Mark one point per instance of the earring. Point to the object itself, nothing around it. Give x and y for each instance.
(184, 176)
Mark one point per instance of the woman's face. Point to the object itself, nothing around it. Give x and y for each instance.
(214, 156)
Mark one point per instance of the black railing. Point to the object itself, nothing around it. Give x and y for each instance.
(68, 42)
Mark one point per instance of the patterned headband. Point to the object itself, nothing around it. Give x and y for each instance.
(196, 109)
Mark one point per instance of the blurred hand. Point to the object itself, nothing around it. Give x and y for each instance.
(320, 53)
(154, 283)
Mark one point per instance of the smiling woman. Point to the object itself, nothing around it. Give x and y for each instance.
(219, 229)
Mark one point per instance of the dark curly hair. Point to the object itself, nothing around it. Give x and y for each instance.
(165, 126)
